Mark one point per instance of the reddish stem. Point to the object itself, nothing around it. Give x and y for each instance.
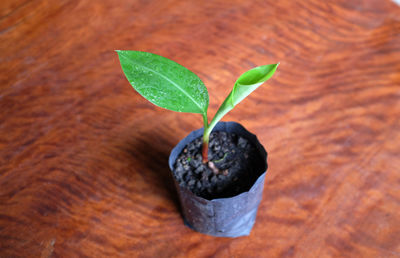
(205, 152)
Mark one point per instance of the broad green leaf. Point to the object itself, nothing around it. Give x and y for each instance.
(251, 80)
(164, 82)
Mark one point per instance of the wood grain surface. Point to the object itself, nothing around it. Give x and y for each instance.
(83, 157)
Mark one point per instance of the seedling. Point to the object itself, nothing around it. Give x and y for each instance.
(169, 85)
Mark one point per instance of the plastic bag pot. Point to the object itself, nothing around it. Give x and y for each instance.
(224, 217)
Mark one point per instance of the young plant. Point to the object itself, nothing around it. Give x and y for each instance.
(169, 85)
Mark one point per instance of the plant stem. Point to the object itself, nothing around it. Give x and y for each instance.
(225, 107)
(206, 139)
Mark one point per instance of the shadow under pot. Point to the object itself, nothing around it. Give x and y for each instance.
(222, 198)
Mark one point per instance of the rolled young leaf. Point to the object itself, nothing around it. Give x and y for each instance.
(251, 80)
(164, 82)
(245, 84)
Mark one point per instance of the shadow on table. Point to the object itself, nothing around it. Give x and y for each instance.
(150, 154)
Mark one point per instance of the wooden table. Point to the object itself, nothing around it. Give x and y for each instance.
(83, 157)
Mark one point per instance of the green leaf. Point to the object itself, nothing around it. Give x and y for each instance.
(245, 84)
(164, 82)
(251, 80)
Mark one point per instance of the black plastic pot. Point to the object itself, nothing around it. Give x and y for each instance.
(223, 217)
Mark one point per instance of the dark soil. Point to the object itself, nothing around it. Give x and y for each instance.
(237, 165)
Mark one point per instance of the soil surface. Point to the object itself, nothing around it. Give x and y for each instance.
(234, 166)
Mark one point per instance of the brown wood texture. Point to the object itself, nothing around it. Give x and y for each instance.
(83, 157)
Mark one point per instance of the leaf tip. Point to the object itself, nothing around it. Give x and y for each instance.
(275, 66)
